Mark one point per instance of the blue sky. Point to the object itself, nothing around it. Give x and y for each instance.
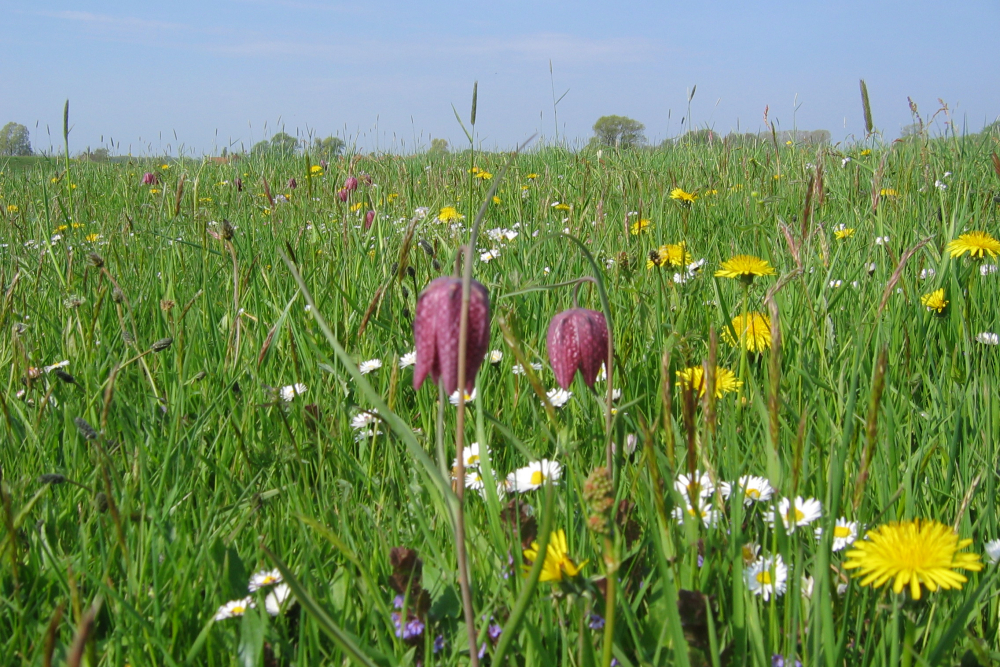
(385, 74)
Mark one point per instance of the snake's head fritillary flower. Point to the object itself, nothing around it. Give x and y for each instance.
(435, 333)
(351, 184)
(369, 219)
(343, 193)
(577, 340)
(292, 184)
(149, 178)
(239, 184)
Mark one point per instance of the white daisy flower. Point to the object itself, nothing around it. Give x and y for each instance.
(276, 599)
(940, 185)
(602, 375)
(808, 584)
(290, 391)
(62, 364)
(408, 359)
(518, 369)
(881, 240)
(694, 486)
(927, 273)
(836, 283)
(767, 577)
(558, 397)
(470, 455)
(844, 533)
(870, 268)
(367, 367)
(264, 578)
(363, 420)
(474, 480)
(797, 513)
(993, 551)
(534, 475)
(496, 356)
(749, 552)
(988, 338)
(755, 489)
(843, 163)
(364, 435)
(234, 608)
(453, 399)
(709, 516)
(489, 255)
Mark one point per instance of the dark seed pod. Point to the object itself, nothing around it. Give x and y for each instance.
(101, 502)
(117, 295)
(85, 429)
(406, 292)
(411, 272)
(161, 345)
(127, 337)
(52, 478)
(406, 313)
(227, 229)
(96, 259)
(577, 339)
(394, 267)
(64, 376)
(437, 265)
(426, 247)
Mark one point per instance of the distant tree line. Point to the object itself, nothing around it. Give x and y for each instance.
(282, 144)
(14, 141)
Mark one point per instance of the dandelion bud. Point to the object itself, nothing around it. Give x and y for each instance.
(350, 184)
(577, 339)
(85, 429)
(436, 329)
(52, 478)
(96, 259)
(292, 184)
(149, 178)
(161, 345)
(342, 194)
(227, 229)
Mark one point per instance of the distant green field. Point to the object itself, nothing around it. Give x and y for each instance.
(178, 414)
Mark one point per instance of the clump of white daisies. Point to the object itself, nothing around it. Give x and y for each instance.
(765, 574)
(277, 600)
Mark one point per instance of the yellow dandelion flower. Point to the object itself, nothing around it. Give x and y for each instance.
(496, 200)
(755, 332)
(640, 226)
(935, 300)
(154, 191)
(671, 255)
(474, 170)
(888, 192)
(92, 238)
(561, 207)
(357, 206)
(557, 560)
(532, 176)
(205, 200)
(686, 198)
(12, 208)
(450, 214)
(164, 166)
(484, 175)
(912, 553)
(54, 179)
(62, 228)
(843, 233)
(744, 267)
(77, 225)
(866, 151)
(725, 380)
(977, 244)
(316, 169)
(525, 187)
(393, 196)
(778, 177)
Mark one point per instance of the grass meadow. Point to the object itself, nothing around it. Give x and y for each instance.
(213, 421)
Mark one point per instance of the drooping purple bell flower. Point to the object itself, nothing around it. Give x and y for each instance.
(351, 184)
(292, 184)
(369, 218)
(342, 194)
(435, 333)
(149, 178)
(577, 339)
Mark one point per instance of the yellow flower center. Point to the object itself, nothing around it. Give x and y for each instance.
(537, 477)
(472, 460)
(841, 531)
(794, 515)
(238, 609)
(764, 577)
(753, 493)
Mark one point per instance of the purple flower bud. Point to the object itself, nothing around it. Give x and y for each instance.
(239, 184)
(351, 184)
(435, 333)
(292, 184)
(369, 218)
(578, 339)
(413, 629)
(343, 193)
(149, 178)
(324, 164)
(438, 643)
(596, 622)
(494, 631)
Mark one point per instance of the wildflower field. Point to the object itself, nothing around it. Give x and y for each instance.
(214, 454)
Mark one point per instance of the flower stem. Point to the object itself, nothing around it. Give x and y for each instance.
(611, 577)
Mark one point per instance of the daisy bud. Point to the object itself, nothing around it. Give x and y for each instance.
(369, 218)
(436, 328)
(350, 184)
(577, 339)
(149, 178)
